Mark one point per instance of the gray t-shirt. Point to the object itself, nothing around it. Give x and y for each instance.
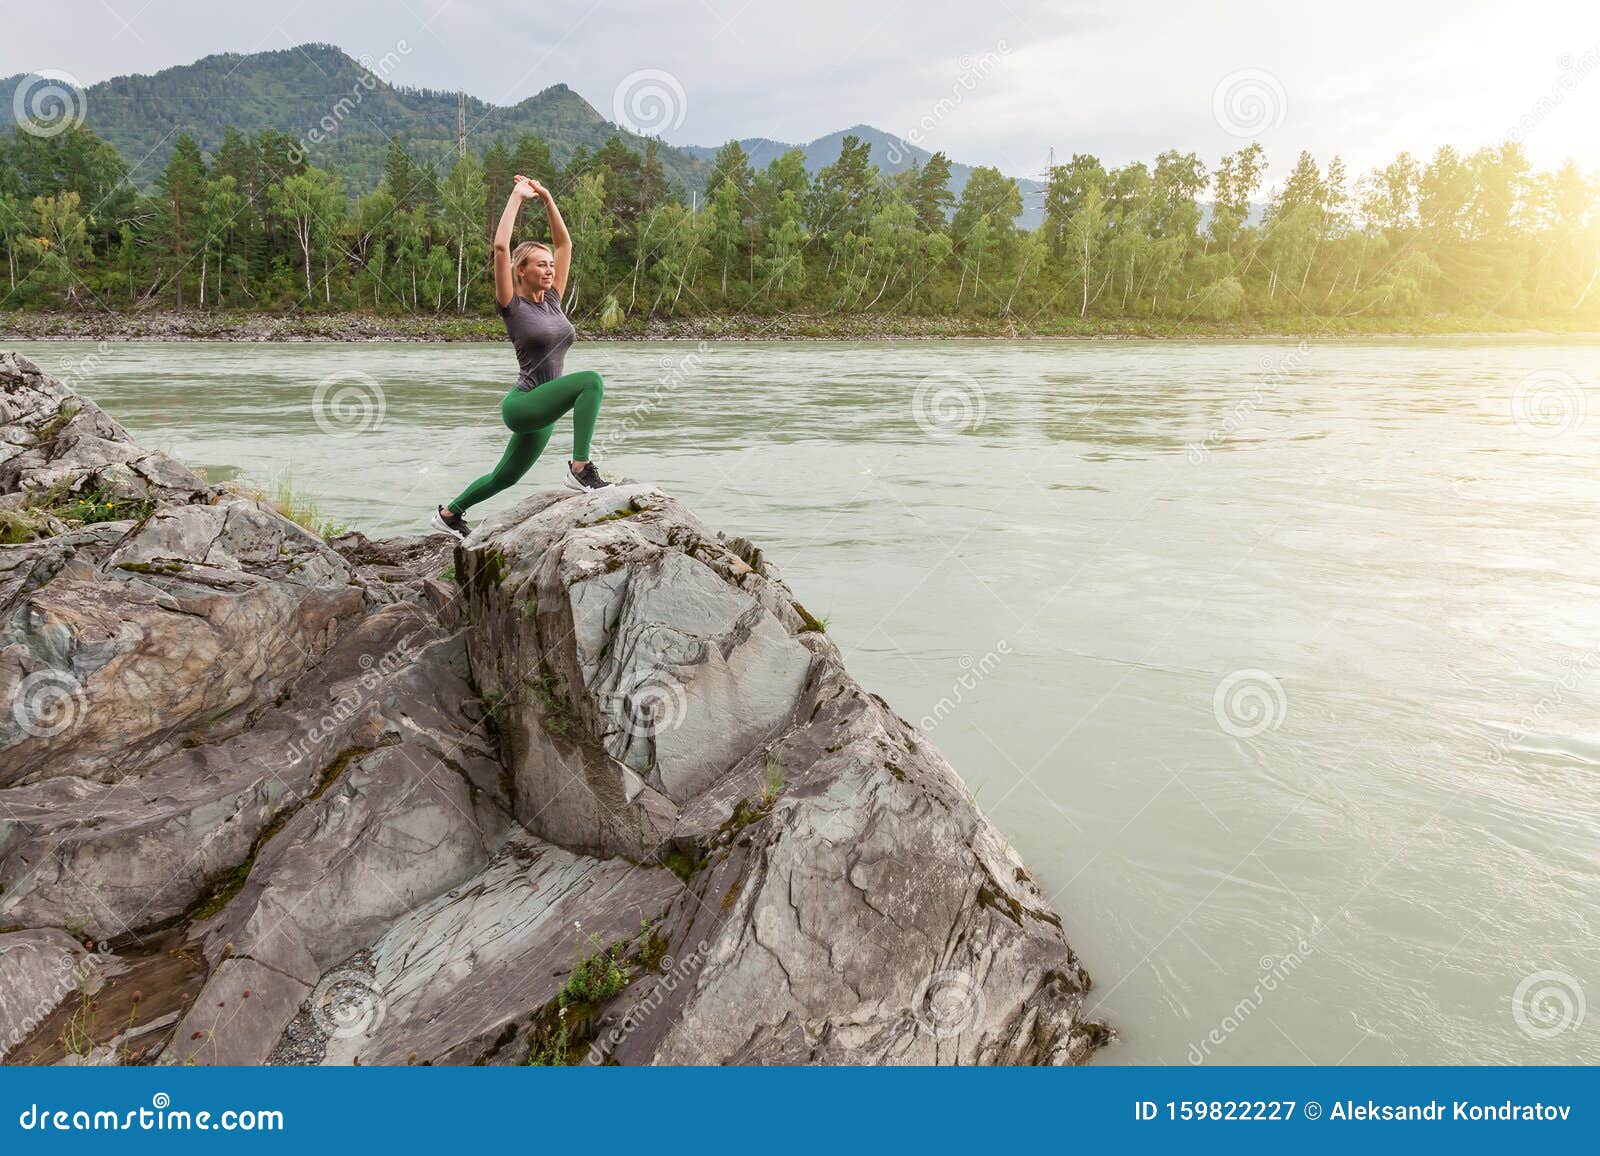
(541, 333)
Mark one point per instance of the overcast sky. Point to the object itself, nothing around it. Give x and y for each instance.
(989, 81)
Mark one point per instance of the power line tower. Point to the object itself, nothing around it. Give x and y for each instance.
(461, 124)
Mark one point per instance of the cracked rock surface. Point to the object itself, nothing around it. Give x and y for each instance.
(592, 787)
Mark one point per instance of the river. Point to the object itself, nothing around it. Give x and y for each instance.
(1278, 663)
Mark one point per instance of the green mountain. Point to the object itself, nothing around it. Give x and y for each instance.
(343, 113)
(889, 152)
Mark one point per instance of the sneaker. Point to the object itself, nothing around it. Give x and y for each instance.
(587, 478)
(451, 523)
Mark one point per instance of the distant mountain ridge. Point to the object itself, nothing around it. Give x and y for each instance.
(301, 90)
(890, 153)
(318, 89)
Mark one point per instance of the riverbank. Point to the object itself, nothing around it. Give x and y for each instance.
(198, 325)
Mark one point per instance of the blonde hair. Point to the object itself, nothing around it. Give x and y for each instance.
(520, 254)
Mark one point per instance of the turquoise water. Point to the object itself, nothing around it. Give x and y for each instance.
(1278, 664)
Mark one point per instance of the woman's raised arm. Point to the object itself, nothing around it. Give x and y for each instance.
(505, 285)
(560, 239)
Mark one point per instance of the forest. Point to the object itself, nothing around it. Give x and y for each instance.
(254, 227)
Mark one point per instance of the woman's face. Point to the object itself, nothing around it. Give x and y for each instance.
(538, 271)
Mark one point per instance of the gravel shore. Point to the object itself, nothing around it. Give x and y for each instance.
(197, 325)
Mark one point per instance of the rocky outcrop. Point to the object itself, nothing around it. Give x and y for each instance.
(40, 970)
(593, 787)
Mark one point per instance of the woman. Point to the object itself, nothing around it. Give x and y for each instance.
(528, 284)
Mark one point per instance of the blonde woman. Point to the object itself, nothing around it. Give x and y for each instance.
(528, 283)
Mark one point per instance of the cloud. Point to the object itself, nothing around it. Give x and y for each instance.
(1365, 78)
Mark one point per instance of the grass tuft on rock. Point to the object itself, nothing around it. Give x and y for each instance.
(809, 623)
(561, 718)
(301, 509)
(563, 1029)
(599, 976)
(47, 432)
(86, 508)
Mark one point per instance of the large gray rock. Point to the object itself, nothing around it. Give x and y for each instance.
(629, 667)
(123, 640)
(112, 857)
(848, 902)
(39, 969)
(53, 439)
(329, 805)
(398, 825)
(178, 629)
(461, 979)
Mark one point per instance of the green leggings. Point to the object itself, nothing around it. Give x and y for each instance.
(530, 415)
